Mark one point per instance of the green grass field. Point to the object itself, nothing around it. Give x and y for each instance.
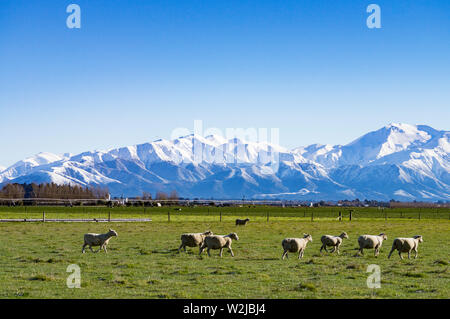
(143, 261)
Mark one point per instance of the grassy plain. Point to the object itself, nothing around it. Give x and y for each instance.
(143, 261)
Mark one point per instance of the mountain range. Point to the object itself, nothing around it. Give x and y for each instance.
(399, 161)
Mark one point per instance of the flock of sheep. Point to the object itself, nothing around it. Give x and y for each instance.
(290, 245)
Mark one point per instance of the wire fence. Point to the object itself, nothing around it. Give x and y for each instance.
(255, 213)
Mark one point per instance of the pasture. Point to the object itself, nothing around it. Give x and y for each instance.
(143, 262)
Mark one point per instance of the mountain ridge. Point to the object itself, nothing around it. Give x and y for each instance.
(398, 161)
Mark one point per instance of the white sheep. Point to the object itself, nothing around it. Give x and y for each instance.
(406, 245)
(371, 241)
(193, 239)
(98, 240)
(294, 245)
(242, 221)
(332, 241)
(219, 242)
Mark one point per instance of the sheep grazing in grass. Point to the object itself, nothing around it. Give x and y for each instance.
(294, 245)
(193, 239)
(332, 241)
(242, 221)
(371, 241)
(219, 242)
(406, 245)
(98, 240)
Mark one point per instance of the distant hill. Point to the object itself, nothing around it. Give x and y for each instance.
(399, 161)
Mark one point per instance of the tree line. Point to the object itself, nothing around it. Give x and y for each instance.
(52, 191)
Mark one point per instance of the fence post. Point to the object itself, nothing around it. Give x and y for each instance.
(350, 217)
(385, 214)
(109, 216)
(168, 216)
(419, 212)
(43, 217)
(401, 214)
(220, 213)
(267, 216)
(312, 215)
(340, 216)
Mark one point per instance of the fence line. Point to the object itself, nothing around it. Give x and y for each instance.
(105, 214)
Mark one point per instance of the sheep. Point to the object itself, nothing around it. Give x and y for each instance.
(332, 241)
(404, 245)
(294, 245)
(193, 239)
(98, 240)
(219, 242)
(242, 221)
(371, 241)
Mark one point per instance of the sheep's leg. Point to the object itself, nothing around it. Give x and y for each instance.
(400, 254)
(334, 249)
(221, 251)
(104, 248)
(179, 248)
(390, 253)
(209, 254)
(416, 253)
(285, 254)
(360, 251)
(231, 251)
(300, 254)
(337, 249)
(409, 254)
(90, 247)
(201, 249)
(83, 249)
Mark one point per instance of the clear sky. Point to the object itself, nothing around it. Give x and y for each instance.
(136, 70)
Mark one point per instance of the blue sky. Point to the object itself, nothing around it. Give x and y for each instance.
(136, 70)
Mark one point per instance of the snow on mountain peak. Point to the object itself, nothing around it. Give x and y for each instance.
(401, 137)
(397, 161)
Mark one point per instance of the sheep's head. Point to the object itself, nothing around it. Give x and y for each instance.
(419, 237)
(307, 237)
(113, 232)
(344, 235)
(208, 233)
(247, 219)
(383, 236)
(234, 236)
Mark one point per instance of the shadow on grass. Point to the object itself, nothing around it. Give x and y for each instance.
(165, 251)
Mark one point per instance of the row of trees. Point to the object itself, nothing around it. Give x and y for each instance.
(52, 191)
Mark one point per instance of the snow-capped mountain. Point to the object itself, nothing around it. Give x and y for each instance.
(2, 168)
(398, 161)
